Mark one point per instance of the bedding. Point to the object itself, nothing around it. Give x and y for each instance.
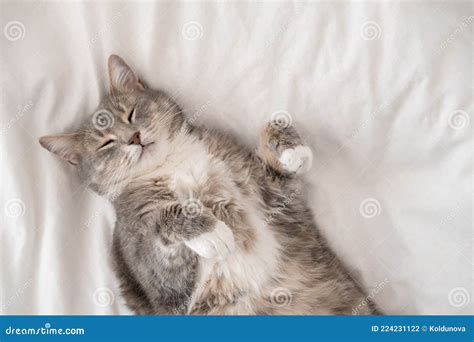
(382, 93)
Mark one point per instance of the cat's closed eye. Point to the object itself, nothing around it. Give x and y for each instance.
(131, 116)
(105, 144)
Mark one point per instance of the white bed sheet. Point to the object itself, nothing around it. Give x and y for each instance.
(381, 92)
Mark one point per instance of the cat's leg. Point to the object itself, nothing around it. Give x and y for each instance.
(200, 231)
(131, 290)
(283, 150)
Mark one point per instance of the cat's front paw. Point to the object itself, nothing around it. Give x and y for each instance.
(296, 160)
(218, 243)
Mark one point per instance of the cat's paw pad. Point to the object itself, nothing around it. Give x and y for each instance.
(296, 160)
(218, 243)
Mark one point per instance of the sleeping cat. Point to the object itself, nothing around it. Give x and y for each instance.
(204, 225)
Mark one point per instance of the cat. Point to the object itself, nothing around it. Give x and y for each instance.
(204, 224)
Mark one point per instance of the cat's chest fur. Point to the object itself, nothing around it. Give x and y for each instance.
(196, 177)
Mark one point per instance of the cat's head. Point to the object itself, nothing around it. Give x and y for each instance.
(126, 135)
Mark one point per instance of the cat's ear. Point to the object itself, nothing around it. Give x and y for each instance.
(66, 146)
(121, 76)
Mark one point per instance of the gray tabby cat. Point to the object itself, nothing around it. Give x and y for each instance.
(204, 225)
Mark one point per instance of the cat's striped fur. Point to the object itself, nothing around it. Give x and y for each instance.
(204, 224)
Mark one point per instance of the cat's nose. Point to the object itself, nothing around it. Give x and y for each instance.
(135, 139)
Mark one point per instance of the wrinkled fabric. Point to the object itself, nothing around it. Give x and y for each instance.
(380, 92)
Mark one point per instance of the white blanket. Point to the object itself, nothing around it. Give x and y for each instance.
(381, 93)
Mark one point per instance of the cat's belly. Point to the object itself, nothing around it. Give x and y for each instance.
(210, 183)
(244, 273)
